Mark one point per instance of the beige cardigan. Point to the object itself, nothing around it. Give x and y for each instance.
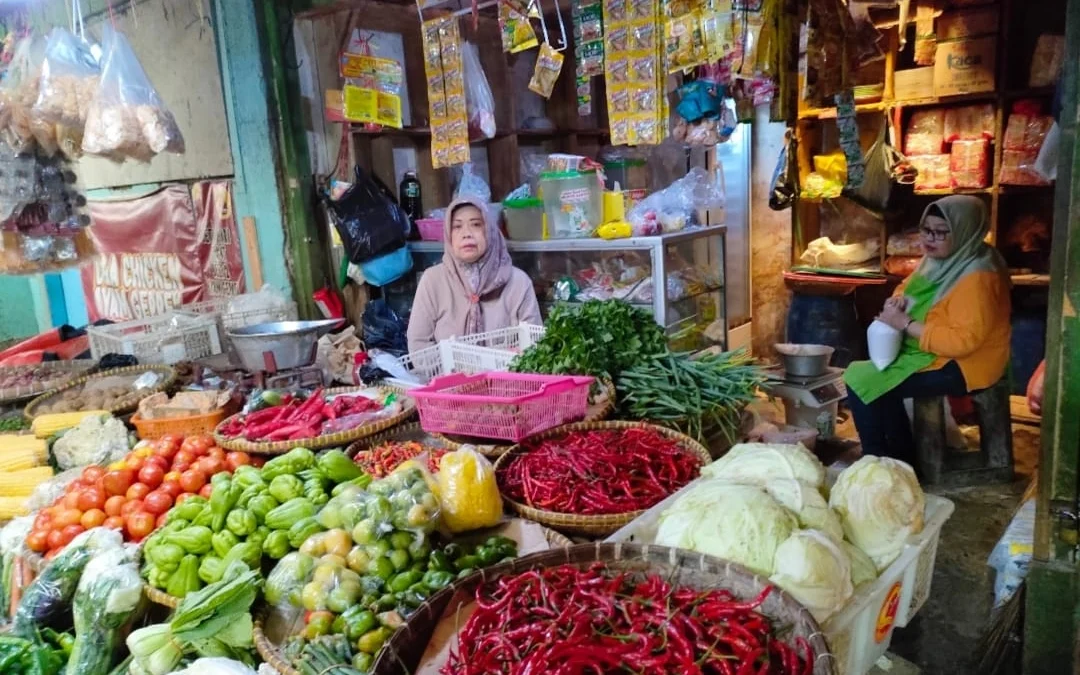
(439, 313)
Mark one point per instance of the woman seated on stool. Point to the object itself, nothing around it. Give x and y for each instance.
(956, 328)
(476, 288)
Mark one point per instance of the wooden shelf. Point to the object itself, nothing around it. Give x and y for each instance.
(424, 132)
(879, 106)
(1023, 189)
(1031, 279)
(956, 191)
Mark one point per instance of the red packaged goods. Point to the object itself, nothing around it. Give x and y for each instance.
(1016, 168)
(933, 172)
(902, 265)
(925, 133)
(1026, 132)
(969, 122)
(969, 163)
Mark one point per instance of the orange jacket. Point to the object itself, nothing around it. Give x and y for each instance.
(971, 325)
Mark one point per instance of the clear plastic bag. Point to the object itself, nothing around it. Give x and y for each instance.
(107, 598)
(478, 98)
(468, 494)
(969, 163)
(676, 206)
(286, 581)
(925, 133)
(127, 117)
(19, 93)
(69, 80)
(472, 185)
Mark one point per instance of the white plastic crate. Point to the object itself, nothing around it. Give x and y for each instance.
(167, 338)
(229, 320)
(480, 353)
(860, 633)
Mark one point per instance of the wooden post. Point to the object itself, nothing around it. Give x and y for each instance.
(251, 245)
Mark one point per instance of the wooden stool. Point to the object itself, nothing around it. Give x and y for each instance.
(993, 463)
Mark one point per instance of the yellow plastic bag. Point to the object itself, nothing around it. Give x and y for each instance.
(468, 492)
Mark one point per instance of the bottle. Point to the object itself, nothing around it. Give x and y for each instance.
(409, 196)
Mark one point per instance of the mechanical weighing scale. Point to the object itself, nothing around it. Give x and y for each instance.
(809, 402)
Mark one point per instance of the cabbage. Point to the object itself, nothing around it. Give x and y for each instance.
(758, 463)
(740, 523)
(807, 504)
(880, 505)
(815, 570)
(862, 567)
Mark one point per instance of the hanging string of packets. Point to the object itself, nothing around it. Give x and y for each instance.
(634, 77)
(589, 49)
(446, 92)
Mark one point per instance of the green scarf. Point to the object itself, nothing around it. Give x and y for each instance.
(866, 380)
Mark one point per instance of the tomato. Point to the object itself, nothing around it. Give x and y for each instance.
(160, 462)
(192, 480)
(92, 518)
(160, 522)
(70, 532)
(91, 498)
(135, 463)
(216, 453)
(140, 524)
(38, 541)
(67, 517)
(52, 553)
(117, 466)
(205, 491)
(151, 475)
(131, 507)
(91, 474)
(171, 439)
(171, 477)
(179, 467)
(71, 499)
(212, 465)
(184, 496)
(118, 482)
(235, 459)
(42, 522)
(182, 457)
(171, 488)
(113, 505)
(55, 539)
(137, 491)
(257, 461)
(157, 502)
(144, 452)
(114, 523)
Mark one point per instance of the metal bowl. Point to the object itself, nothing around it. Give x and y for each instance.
(279, 345)
(804, 360)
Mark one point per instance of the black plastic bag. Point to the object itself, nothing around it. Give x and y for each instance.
(384, 329)
(370, 224)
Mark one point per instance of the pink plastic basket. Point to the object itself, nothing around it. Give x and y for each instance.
(506, 406)
(431, 229)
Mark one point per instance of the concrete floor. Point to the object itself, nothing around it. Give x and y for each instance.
(943, 636)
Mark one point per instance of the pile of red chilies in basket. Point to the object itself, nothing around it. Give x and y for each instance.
(598, 472)
(568, 621)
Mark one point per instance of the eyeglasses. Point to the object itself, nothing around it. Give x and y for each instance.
(933, 235)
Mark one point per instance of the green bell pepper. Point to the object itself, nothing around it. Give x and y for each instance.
(403, 580)
(241, 522)
(186, 578)
(437, 579)
(289, 513)
(372, 641)
(276, 545)
(284, 488)
(302, 529)
(292, 462)
(223, 542)
(337, 466)
(193, 539)
(262, 505)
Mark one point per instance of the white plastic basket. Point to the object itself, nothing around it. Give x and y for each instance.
(480, 353)
(220, 307)
(860, 633)
(167, 338)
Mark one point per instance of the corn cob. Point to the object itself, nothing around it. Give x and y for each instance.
(22, 443)
(22, 483)
(12, 507)
(47, 425)
(23, 458)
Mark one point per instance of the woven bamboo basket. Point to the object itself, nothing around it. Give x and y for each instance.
(403, 434)
(272, 654)
(597, 411)
(160, 597)
(32, 408)
(404, 650)
(325, 441)
(591, 525)
(66, 372)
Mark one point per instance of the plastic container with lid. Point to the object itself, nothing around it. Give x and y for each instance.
(573, 202)
(524, 218)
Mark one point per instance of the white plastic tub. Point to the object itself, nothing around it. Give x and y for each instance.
(860, 633)
(492, 350)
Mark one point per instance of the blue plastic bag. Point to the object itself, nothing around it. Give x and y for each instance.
(388, 268)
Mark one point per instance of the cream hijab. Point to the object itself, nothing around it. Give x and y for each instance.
(487, 276)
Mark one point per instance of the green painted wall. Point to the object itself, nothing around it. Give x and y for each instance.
(23, 307)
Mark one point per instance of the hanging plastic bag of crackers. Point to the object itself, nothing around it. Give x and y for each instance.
(548, 66)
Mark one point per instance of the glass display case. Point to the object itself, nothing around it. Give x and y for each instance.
(687, 267)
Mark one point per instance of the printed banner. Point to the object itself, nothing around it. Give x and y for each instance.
(170, 248)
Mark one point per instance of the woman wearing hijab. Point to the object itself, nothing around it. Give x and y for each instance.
(476, 288)
(954, 314)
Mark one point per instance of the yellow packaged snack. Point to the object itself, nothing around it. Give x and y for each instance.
(548, 66)
(469, 496)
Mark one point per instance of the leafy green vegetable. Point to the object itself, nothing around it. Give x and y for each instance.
(599, 338)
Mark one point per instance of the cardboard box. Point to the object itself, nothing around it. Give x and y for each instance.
(914, 83)
(971, 23)
(965, 66)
